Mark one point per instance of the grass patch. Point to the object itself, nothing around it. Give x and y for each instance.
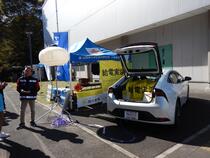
(42, 94)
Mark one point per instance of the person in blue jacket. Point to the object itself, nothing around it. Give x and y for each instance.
(27, 86)
(3, 84)
(3, 135)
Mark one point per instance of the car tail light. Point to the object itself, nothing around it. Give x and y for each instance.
(110, 90)
(163, 119)
(160, 93)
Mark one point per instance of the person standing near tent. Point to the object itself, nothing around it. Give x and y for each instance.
(3, 85)
(3, 135)
(27, 86)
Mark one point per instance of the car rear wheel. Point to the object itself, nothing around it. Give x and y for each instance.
(188, 94)
(177, 118)
(122, 122)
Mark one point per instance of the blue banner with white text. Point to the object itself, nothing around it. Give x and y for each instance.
(61, 40)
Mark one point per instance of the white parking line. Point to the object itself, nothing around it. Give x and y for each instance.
(116, 147)
(169, 151)
(179, 145)
(43, 146)
(3, 153)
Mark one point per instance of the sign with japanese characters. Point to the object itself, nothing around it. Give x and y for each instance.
(110, 72)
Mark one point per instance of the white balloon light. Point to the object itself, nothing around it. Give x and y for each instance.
(53, 56)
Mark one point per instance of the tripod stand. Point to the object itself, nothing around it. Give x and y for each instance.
(56, 103)
(47, 112)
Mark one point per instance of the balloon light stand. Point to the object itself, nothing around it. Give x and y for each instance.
(55, 56)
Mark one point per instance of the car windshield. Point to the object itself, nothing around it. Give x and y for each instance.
(140, 61)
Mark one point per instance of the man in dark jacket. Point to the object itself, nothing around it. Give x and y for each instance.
(27, 86)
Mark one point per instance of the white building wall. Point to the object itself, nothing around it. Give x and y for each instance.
(104, 19)
(71, 14)
(189, 38)
(117, 22)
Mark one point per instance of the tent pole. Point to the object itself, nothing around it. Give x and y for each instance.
(70, 74)
(70, 82)
(56, 11)
(51, 82)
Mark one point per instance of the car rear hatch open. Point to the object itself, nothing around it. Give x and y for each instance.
(140, 59)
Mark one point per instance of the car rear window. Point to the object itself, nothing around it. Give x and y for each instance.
(140, 61)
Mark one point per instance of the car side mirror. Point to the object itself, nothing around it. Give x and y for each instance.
(187, 78)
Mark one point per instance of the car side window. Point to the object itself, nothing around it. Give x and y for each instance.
(172, 78)
(179, 78)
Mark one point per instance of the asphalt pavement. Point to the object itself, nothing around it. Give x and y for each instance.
(44, 141)
(98, 135)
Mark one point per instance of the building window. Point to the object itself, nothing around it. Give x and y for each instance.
(80, 68)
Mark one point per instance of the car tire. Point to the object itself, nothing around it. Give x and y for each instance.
(177, 117)
(188, 94)
(121, 122)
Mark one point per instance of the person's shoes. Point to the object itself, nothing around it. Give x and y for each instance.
(4, 135)
(33, 124)
(21, 126)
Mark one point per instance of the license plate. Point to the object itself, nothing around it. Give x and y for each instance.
(131, 115)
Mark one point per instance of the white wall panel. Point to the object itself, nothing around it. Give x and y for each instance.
(204, 46)
(105, 19)
(197, 51)
(190, 44)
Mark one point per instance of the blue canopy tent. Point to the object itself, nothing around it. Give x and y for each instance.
(83, 52)
(86, 51)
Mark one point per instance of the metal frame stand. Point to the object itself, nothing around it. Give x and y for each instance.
(46, 113)
(56, 103)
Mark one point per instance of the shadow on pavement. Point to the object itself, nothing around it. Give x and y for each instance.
(17, 150)
(119, 135)
(9, 116)
(55, 135)
(196, 116)
(86, 112)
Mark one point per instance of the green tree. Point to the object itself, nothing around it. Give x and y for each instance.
(16, 18)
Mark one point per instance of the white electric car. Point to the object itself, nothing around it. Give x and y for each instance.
(145, 93)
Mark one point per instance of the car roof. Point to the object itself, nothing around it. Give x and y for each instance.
(141, 43)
